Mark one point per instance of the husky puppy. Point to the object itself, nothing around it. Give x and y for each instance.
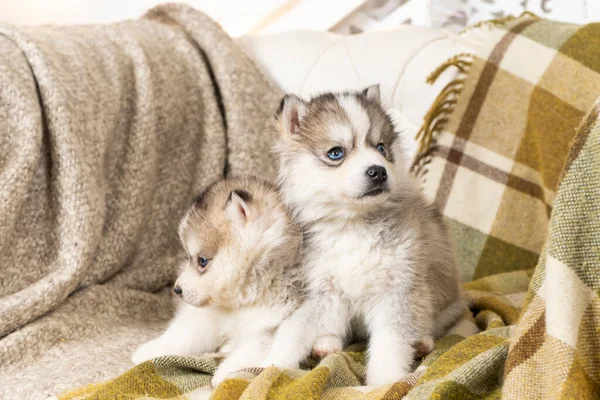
(242, 278)
(377, 259)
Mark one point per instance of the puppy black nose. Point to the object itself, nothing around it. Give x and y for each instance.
(178, 290)
(377, 173)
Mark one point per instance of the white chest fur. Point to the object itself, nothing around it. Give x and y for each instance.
(355, 261)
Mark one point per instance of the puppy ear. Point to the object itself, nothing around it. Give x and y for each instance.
(372, 93)
(290, 113)
(238, 206)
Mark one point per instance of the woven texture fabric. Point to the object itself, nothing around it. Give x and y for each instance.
(555, 352)
(106, 134)
(494, 168)
(461, 365)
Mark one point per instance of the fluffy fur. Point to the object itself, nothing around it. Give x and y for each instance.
(241, 280)
(377, 258)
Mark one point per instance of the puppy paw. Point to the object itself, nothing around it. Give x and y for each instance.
(325, 345)
(385, 375)
(423, 347)
(281, 364)
(148, 351)
(220, 375)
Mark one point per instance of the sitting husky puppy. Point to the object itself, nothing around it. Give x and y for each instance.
(242, 278)
(376, 256)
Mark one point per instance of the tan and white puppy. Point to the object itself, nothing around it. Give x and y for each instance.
(377, 259)
(242, 278)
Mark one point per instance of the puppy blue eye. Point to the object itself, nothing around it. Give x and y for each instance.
(336, 153)
(203, 262)
(381, 148)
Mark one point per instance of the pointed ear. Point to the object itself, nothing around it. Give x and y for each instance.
(290, 113)
(237, 207)
(372, 93)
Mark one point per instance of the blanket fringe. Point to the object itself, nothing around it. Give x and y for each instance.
(436, 118)
(498, 22)
(462, 61)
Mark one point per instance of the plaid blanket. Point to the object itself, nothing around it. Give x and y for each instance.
(555, 352)
(493, 167)
(527, 232)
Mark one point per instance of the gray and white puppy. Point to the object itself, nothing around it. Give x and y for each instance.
(376, 257)
(242, 278)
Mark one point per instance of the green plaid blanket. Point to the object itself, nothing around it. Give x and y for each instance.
(526, 227)
(555, 352)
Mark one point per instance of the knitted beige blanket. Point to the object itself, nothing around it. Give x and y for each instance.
(106, 133)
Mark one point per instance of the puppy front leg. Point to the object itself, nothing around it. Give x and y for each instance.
(333, 329)
(250, 353)
(193, 331)
(295, 336)
(393, 334)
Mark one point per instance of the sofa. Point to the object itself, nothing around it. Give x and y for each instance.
(109, 131)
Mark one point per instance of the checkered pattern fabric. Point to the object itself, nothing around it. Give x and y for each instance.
(556, 350)
(497, 170)
(494, 168)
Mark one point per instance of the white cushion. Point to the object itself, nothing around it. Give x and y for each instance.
(308, 63)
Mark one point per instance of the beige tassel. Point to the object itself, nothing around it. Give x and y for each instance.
(436, 118)
(499, 22)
